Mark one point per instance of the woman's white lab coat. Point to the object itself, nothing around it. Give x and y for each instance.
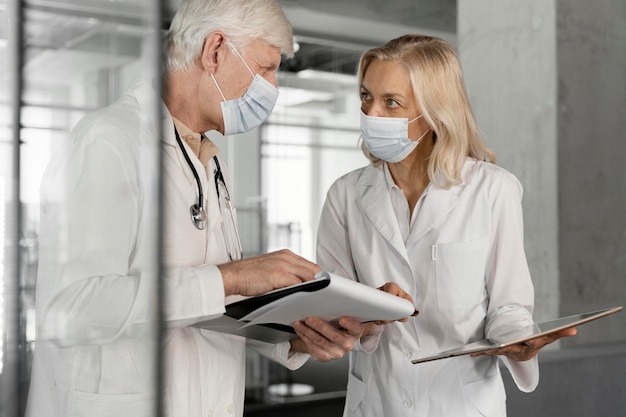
(464, 265)
(94, 353)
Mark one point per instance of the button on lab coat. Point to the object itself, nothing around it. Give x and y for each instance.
(94, 353)
(463, 263)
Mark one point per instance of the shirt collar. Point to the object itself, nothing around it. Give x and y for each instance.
(389, 182)
(201, 146)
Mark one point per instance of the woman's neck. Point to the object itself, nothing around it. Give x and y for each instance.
(411, 174)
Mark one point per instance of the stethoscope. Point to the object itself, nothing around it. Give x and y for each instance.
(198, 215)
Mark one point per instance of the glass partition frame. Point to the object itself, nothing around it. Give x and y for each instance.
(38, 42)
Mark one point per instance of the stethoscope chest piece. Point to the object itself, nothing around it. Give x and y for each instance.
(198, 216)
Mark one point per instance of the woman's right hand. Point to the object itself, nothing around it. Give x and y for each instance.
(394, 289)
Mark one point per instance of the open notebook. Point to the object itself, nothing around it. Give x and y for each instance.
(522, 334)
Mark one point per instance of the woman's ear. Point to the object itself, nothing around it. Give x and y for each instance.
(213, 51)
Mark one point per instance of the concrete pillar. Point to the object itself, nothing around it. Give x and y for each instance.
(508, 53)
(591, 46)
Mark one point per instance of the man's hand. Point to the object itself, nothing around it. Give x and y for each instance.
(528, 350)
(325, 341)
(260, 274)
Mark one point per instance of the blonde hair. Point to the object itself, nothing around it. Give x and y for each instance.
(437, 82)
(242, 21)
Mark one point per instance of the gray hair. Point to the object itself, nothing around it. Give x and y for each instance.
(242, 21)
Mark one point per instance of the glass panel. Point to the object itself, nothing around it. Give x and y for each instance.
(313, 135)
(311, 139)
(11, 334)
(78, 56)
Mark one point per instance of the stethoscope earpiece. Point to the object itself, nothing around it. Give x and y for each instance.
(198, 216)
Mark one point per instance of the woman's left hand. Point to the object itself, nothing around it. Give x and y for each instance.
(529, 349)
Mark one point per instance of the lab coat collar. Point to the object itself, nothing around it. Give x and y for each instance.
(439, 204)
(434, 211)
(376, 204)
(146, 96)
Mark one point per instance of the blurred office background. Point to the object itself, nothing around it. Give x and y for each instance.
(547, 81)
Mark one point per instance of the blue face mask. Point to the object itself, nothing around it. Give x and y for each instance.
(387, 138)
(252, 109)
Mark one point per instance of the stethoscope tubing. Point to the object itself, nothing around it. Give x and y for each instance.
(193, 169)
(198, 215)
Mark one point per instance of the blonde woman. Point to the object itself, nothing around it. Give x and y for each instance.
(432, 213)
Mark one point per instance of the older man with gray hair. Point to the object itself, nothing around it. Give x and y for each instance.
(94, 304)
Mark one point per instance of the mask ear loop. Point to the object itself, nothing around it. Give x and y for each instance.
(418, 140)
(242, 60)
(218, 87)
(416, 117)
(422, 137)
(240, 57)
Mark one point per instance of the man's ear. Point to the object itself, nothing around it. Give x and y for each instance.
(213, 51)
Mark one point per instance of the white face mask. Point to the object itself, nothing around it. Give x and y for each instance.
(387, 138)
(252, 109)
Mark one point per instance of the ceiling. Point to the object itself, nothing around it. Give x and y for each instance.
(370, 20)
(65, 37)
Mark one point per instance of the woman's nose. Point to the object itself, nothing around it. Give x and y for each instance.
(372, 109)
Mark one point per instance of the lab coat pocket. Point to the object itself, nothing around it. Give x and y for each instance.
(460, 270)
(486, 397)
(356, 392)
(80, 404)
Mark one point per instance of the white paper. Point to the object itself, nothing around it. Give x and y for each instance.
(342, 297)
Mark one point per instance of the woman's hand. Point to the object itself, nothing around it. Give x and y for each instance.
(394, 289)
(529, 349)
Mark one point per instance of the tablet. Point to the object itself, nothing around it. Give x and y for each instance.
(523, 334)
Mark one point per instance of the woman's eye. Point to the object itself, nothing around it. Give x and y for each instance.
(364, 95)
(392, 103)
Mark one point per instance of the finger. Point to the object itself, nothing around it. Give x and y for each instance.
(317, 345)
(315, 351)
(569, 332)
(351, 325)
(299, 261)
(522, 351)
(485, 353)
(284, 268)
(551, 338)
(331, 337)
(394, 289)
(297, 266)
